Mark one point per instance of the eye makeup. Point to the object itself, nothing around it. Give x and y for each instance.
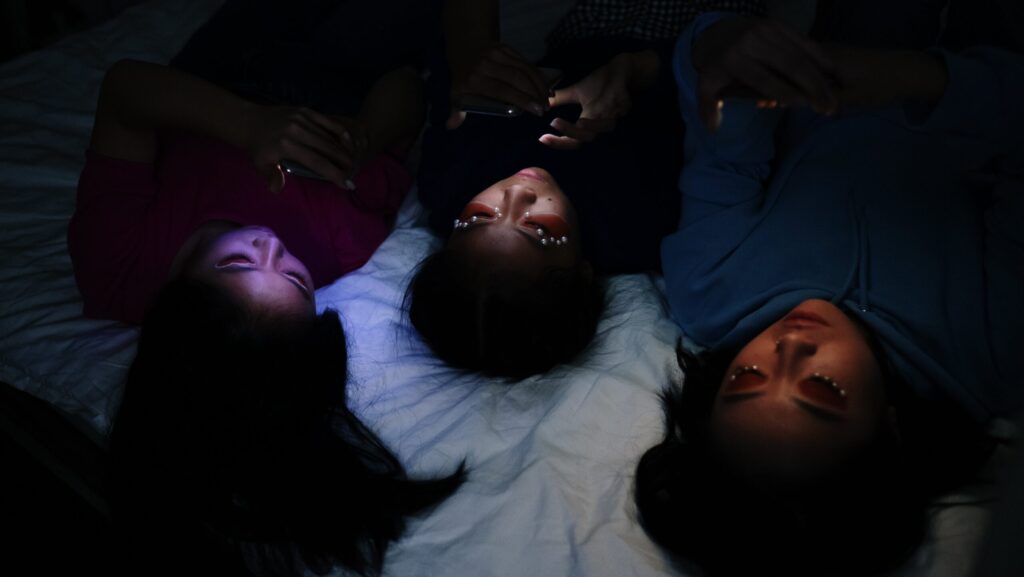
(823, 390)
(817, 390)
(550, 229)
(475, 211)
(549, 224)
(744, 379)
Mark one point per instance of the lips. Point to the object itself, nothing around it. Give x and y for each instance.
(534, 174)
(804, 319)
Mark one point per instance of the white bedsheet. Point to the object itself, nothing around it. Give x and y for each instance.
(551, 459)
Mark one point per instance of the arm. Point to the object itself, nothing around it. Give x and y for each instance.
(138, 100)
(481, 66)
(728, 162)
(470, 28)
(392, 112)
(971, 98)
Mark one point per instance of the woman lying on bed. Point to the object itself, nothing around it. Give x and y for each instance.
(538, 208)
(856, 282)
(234, 441)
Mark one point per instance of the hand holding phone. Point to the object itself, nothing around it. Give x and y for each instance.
(321, 144)
(604, 96)
(499, 74)
(475, 104)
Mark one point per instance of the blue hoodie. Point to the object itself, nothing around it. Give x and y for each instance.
(898, 219)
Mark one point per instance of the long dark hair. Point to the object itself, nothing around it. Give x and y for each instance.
(865, 517)
(234, 446)
(503, 323)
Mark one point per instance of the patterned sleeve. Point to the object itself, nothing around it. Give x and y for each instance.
(651, 21)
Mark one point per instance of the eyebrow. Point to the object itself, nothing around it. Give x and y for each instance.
(822, 414)
(237, 269)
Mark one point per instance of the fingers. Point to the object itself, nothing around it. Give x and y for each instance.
(326, 150)
(774, 62)
(560, 142)
(331, 128)
(275, 179)
(793, 64)
(314, 146)
(502, 74)
(455, 119)
(768, 82)
(812, 49)
(563, 96)
(507, 56)
(575, 135)
(499, 89)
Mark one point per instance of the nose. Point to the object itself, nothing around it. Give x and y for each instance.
(794, 346)
(271, 249)
(519, 196)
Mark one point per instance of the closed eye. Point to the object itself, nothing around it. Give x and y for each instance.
(298, 278)
(551, 224)
(743, 380)
(234, 259)
(824, 391)
(478, 210)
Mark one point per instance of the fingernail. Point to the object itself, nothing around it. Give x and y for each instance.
(349, 184)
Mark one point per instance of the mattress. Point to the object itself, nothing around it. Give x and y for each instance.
(550, 459)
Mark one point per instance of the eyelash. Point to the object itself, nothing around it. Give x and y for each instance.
(291, 274)
(827, 382)
(298, 278)
(744, 370)
(225, 261)
(473, 219)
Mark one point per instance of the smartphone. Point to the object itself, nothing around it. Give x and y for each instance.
(292, 167)
(473, 104)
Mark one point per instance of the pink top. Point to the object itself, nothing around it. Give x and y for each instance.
(133, 217)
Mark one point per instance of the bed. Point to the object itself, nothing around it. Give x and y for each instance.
(551, 459)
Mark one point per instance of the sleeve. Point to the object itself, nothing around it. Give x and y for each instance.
(105, 235)
(727, 167)
(381, 185)
(981, 107)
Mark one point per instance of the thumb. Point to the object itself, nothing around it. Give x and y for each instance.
(275, 179)
(455, 119)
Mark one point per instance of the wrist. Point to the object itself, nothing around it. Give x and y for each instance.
(240, 131)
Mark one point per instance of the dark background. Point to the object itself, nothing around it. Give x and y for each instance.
(27, 25)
